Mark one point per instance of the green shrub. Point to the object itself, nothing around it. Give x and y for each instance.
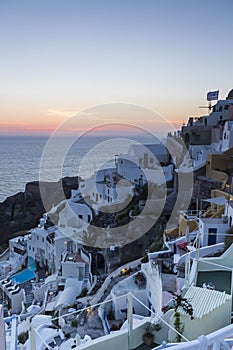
(74, 323)
(23, 337)
(155, 246)
(83, 293)
(145, 259)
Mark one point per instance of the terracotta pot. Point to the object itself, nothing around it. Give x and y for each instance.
(148, 338)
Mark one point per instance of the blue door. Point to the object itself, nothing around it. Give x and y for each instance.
(212, 236)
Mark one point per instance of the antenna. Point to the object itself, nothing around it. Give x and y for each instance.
(209, 106)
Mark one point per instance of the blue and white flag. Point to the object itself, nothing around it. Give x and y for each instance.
(212, 95)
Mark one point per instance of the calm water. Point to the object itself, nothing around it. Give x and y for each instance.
(20, 159)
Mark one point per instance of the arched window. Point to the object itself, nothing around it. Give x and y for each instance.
(220, 109)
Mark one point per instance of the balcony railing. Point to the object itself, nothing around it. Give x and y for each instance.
(216, 341)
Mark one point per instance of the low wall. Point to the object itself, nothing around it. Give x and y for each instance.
(112, 275)
(202, 252)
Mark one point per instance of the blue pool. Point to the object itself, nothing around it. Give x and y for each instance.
(27, 274)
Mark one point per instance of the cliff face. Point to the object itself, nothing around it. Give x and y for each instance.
(23, 210)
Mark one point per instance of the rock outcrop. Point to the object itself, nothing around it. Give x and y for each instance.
(23, 210)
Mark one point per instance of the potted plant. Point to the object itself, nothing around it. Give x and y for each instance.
(148, 336)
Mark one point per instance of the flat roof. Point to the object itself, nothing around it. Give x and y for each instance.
(212, 221)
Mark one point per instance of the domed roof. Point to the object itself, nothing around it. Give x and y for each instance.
(230, 95)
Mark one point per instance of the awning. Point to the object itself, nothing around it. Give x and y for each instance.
(182, 245)
(217, 200)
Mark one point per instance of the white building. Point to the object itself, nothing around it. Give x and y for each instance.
(143, 164)
(212, 230)
(102, 187)
(227, 139)
(56, 247)
(46, 244)
(119, 296)
(76, 264)
(145, 285)
(149, 155)
(75, 215)
(12, 295)
(211, 311)
(37, 244)
(17, 256)
(153, 286)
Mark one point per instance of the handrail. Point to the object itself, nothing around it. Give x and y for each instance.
(216, 340)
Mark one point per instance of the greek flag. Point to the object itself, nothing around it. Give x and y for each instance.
(212, 95)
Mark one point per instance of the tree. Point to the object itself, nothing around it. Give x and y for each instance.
(180, 302)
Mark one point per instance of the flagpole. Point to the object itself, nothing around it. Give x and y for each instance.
(210, 106)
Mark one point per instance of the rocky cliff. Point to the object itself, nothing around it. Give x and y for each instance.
(23, 210)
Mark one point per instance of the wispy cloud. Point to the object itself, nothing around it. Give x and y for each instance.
(66, 113)
(87, 115)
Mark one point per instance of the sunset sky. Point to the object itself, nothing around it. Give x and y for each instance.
(61, 57)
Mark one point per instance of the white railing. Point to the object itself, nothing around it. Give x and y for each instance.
(216, 341)
(202, 252)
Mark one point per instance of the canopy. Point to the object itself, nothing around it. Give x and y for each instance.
(217, 200)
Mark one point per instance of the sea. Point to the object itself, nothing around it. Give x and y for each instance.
(30, 158)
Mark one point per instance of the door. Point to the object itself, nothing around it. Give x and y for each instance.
(212, 236)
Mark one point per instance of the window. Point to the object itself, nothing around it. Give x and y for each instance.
(37, 238)
(80, 216)
(220, 109)
(81, 273)
(43, 239)
(33, 249)
(151, 160)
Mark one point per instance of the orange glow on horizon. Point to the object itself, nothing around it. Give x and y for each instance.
(12, 128)
(82, 122)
